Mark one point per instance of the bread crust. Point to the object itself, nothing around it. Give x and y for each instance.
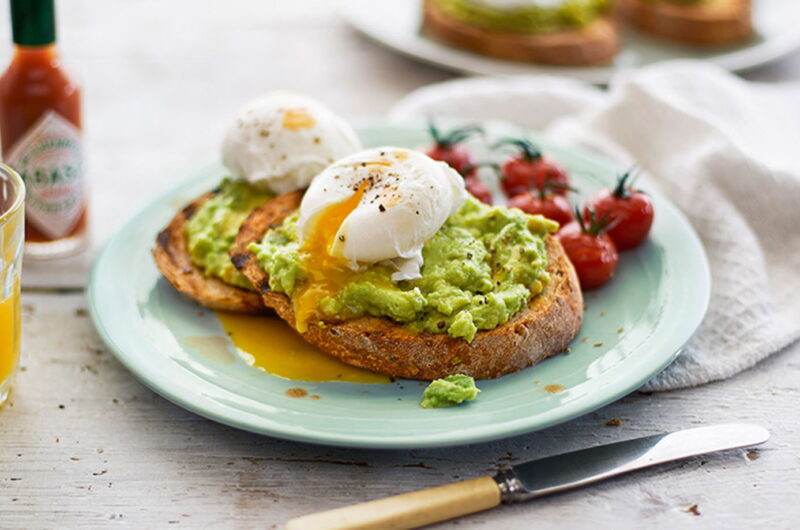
(715, 23)
(268, 215)
(542, 330)
(173, 260)
(595, 45)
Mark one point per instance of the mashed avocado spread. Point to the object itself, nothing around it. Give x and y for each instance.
(450, 391)
(684, 2)
(481, 268)
(571, 14)
(687, 2)
(211, 231)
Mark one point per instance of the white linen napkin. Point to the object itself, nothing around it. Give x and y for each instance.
(726, 151)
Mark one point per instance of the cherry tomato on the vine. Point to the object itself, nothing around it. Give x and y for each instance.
(529, 169)
(478, 189)
(629, 212)
(591, 251)
(552, 206)
(548, 172)
(446, 147)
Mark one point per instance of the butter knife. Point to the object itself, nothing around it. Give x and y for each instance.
(533, 479)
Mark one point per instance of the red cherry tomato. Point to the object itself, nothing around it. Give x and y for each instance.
(478, 189)
(517, 176)
(593, 254)
(528, 169)
(455, 155)
(446, 147)
(549, 173)
(629, 213)
(553, 207)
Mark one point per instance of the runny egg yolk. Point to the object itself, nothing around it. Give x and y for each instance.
(327, 274)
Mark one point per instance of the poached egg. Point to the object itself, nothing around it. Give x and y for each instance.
(376, 206)
(282, 140)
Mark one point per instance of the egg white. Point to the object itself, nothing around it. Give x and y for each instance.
(259, 146)
(408, 198)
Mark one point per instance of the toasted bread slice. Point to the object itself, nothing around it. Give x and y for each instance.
(172, 259)
(268, 215)
(594, 45)
(543, 329)
(711, 23)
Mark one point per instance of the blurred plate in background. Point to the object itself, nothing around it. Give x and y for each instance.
(396, 23)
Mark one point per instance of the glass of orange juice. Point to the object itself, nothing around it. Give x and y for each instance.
(12, 236)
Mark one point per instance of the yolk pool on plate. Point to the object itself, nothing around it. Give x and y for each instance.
(280, 351)
(326, 273)
(9, 339)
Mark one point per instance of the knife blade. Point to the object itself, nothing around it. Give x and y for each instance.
(534, 479)
(579, 468)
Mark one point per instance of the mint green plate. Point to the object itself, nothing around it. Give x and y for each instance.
(634, 327)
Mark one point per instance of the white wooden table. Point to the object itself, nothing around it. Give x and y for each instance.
(83, 444)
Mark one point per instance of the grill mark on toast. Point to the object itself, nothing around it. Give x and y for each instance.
(240, 259)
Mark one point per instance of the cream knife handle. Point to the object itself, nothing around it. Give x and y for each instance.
(410, 510)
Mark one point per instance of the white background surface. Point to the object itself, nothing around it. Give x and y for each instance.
(82, 444)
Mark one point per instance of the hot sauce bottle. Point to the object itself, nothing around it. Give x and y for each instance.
(40, 129)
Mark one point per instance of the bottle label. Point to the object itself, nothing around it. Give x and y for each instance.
(48, 157)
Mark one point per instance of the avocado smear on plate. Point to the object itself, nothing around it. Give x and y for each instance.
(482, 267)
(212, 229)
(450, 391)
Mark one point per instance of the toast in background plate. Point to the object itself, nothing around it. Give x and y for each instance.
(594, 45)
(708, 23)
